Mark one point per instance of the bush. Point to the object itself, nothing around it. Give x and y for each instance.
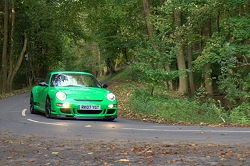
(164, 107)
(129, 73)
(176, 110)
(241, 114)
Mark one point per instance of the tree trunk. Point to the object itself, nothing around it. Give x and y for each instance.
(248, 8)
(169, 84)
(94, 53)
(99, 61)
(19, 62)
(5, 48)
(150, 28)
(218, 22)
(110, 66)
(208, 80)
(9, 86)
(183, 81)
(191, 74)
(208, 67)
(150, 31)
(33, 72)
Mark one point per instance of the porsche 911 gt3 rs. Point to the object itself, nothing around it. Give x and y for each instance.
(69, 94)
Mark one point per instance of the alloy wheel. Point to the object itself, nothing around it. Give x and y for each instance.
(32, 109)
(48, 108)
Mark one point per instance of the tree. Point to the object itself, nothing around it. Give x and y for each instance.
(115, 27)
(4, 67)
(147, 11)
(45, 24)
(183, 83)
(227, 48)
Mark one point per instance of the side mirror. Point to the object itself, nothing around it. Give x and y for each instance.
(42, 84)
(104, 85)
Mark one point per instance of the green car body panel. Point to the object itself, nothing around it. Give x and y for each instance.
(88, 100)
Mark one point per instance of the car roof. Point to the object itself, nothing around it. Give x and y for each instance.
(70, 72)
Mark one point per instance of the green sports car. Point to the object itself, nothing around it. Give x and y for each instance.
(69, 94)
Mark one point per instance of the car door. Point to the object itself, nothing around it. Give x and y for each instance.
(43, 91)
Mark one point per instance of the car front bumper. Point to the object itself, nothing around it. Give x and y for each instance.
(74, 110)
(63, 116)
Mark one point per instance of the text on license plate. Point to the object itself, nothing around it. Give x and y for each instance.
(90, 107)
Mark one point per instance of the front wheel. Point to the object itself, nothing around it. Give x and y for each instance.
(32, 109)
(48, 108)
(109, 119)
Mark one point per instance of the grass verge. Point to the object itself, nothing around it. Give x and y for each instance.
(136, 102)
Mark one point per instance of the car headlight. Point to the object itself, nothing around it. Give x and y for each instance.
(111, 96)
(61, 95)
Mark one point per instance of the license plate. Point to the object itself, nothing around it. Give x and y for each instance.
(90, 107)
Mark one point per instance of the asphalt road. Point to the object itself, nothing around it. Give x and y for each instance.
(16, 118)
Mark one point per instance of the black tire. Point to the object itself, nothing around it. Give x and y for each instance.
(48, 108)
(109, 120)
(32, 109)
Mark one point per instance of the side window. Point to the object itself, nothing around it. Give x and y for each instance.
(54, 80)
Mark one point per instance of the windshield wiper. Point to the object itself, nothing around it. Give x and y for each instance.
(73, 85)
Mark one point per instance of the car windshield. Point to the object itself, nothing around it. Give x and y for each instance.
(70, 79)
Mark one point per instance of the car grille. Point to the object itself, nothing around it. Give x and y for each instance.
(88, 100)
(111, 111)
(65, 110)
(89, 111)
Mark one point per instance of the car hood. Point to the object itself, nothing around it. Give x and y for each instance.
(84, 93)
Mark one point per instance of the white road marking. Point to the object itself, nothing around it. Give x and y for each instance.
(24, 112)
(57, 124)
(31, 120)
(212, 131)
(138, 129)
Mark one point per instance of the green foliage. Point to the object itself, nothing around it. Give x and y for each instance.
(177, 110)
(234, 78)
(130, 73)
(230, 85)
(88, 35)
(173, 109)
(212, 52)
(152, 57)
(49, 25)
(241, 114)
(114, 26)
(230, 49)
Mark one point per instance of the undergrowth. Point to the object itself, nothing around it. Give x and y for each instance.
(176, 109)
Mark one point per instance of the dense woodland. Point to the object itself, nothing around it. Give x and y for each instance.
(193, 47)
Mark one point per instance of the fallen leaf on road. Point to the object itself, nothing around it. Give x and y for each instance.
(60, 145)
(223, 153)
(9, 158)
(149, 157)
(239, 155)
(191, 144)
(31, 161)
(8, 141)
(55, 153)
(123, 160)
